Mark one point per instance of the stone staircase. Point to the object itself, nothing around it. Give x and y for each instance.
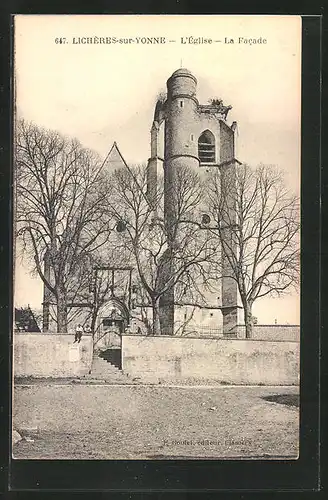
(112, 356)
(103, 370)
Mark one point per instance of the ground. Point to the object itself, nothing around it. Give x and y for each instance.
(99, 421)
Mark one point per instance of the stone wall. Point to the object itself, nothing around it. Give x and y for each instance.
(51, 355)
(228, 361)
(226, 142)
(273, 332)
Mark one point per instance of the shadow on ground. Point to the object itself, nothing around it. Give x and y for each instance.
(284, 399)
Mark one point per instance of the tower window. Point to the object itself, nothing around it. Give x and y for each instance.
(206, 147)
(192, 137)
(181, 104)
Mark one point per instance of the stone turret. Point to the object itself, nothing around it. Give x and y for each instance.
(199, 137)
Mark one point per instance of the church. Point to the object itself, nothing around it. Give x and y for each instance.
(197, 136)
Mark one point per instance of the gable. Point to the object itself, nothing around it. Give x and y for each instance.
(114, 159)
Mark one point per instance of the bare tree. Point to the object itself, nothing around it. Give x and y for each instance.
(160, 266)
(257, 222)
(61, 193)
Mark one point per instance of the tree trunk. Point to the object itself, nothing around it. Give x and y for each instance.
(248, 320)
(166, 301)
(46, 294)
(61, 312)
(156, 323)
(166, 312)
(93, 321)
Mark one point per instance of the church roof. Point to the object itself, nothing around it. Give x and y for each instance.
(114, 158)
(182, 71)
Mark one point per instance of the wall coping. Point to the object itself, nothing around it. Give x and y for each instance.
(217, 339)
(273, 326)
(50, 334)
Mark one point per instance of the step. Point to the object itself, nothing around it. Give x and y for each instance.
(103, 363)
(101, 369)
(112, 356)
(104, 371)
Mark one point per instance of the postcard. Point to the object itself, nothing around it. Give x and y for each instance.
(157, 247)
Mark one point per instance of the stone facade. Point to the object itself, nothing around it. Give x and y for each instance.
(196, 136)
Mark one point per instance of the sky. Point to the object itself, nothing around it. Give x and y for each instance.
(101, 93)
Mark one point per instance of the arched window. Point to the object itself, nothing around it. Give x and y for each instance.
(206, 147)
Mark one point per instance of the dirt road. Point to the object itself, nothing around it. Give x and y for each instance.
(154, 422)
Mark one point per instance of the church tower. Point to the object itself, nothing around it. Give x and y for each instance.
(199, 137)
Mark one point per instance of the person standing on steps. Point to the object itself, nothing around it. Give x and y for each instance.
(78, 333)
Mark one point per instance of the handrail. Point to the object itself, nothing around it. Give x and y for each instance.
(102, 334)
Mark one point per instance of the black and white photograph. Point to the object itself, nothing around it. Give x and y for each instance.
(156, 174)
